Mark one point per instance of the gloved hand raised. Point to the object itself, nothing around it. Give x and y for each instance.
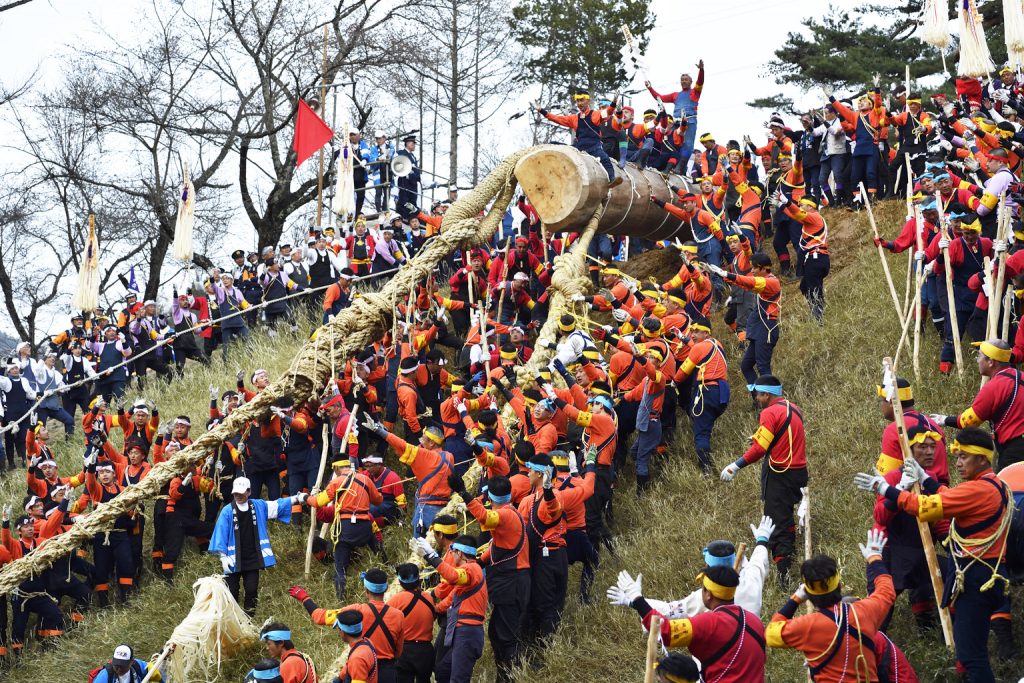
(630, 587)
(764, 530)
(873, 483)
(621, 315)
(876, 541)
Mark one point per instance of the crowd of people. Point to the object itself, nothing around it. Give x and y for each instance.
(429, 393)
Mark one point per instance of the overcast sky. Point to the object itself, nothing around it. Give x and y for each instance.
(735, 39)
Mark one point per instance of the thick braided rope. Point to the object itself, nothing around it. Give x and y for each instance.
(356, 327)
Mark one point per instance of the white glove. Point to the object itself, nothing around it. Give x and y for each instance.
(907, 481)
(459, 508)
(219, 466)
(423, 548)
(1001, 95)
(187, 480)
(827, 90)
(716, 270)
(913, 468)
(919, 255)
(578, 297)
(876, 79)
(969, 139)
(999, 246)
(929, 268)
(608, 328)
(548, 474)
(549, 391)
(277, 411)
(621, 315)
(968, 123)
(544, 343)
(946, 145)
(573, 467)
(240, 375)
(801, 593)
(876, 541)
(629, 587)
(214, 393)
(972, 164)
(938, 418)
(300, 498)
(631, 286)
(763, 530)
(946, 75)
(943, 243)
(616, 596)
(875, 483)
(226, 563)
(7, 512)
(729, 472)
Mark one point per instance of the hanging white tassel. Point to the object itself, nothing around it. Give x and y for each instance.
(975, 60)
(215, 629)
(344, 202)
(186, 219)
(935, 29)
(87, 294)
(1013, 21)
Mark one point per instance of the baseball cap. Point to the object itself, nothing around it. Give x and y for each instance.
(240, 485)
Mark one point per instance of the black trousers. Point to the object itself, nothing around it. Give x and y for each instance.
(815, 269)
(352, 536)
(135, 537)
(359, 182)
(416, 663)
(780, 492)
(1010, 452)
(113, 555)
(595, 505)
(504, 630)
(178, 527)
(549, 580)
(151, 362)
(75, 399)
(250, 580)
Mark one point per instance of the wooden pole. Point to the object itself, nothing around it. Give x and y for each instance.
(501, 295)
(481, 319)
(652, 648)
(997, 294)
(737, 564)
(544, 239)
(168, 649)
(910, 272)
(903, 338)
(323, 108)
(954, 324)
(922, 527)
(808, 550)
(918, 285)
(1007, 309)
(320, 476)
(885, 264)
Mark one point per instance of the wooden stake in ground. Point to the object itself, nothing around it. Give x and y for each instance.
(954, 324)
(889, 384)
(652, 648)
(320, 476)
(885, 264)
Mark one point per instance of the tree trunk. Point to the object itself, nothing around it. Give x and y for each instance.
(433, 163)
(476, 108)
(453, 153)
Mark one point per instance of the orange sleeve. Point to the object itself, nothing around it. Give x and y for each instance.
(567, 121)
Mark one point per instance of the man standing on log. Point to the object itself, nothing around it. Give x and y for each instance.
(685, 107)
(586, 128)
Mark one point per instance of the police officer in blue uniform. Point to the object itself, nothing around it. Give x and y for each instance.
(408, 186)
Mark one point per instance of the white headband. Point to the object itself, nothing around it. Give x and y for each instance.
(256, 374)
(32, 501)
(373, 459)
(179, 421)
(105, 467)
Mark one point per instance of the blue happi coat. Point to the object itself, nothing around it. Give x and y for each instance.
(223, 541)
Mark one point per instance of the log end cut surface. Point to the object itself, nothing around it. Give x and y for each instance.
(558, 183)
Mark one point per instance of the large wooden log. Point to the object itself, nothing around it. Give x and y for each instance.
(566, 186)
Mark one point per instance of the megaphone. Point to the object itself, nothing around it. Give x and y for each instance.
(401, 166)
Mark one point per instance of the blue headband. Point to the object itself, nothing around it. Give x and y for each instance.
(463, 548)
(264, 675)
(546, 404)
(956, 216)
(537, 468)
(352, 630)
(409, 579)
(373, 587)
(768, 389)
(500, 500)
(941, 176)
(713, 561)
(603, 400)
(277, 635)
(929, 174)
(933, 165)
(930, 204)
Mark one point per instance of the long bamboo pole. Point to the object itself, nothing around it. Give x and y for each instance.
(996, 299)
(950, 297)
(918, 269)
(323, 108)
(652, 648)
(885, 264)
(320, 476)
(922, 527)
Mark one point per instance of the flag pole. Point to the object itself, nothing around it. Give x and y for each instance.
(323, 107)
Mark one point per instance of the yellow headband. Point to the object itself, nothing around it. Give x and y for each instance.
(581, 97)
(719, 591)
(731, 236)
(558, 460)
(430, 435)
(591, 354)
(599, 392)
(921, 436)
(681, 302)
(446, 528)
(509, 355)
(611, 271)
(913, 101)
(809, 201)
(695, 326)
(973, 450)
(673, 679)
(706, 138)
(341, 463)
(905, 393)
(822, 587)
(689, 249)
(654, 334)
(993, 352)
(567, 328)
(973, 227)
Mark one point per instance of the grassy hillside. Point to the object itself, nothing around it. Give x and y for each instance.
(830, 372)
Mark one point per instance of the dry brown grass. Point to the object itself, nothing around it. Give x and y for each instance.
(829, 372)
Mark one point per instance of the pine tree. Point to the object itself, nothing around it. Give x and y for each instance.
(575, 43)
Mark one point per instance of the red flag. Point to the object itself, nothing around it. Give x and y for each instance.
(311, 133)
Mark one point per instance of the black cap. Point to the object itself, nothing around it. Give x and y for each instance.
(409, 138)
(237, 253)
